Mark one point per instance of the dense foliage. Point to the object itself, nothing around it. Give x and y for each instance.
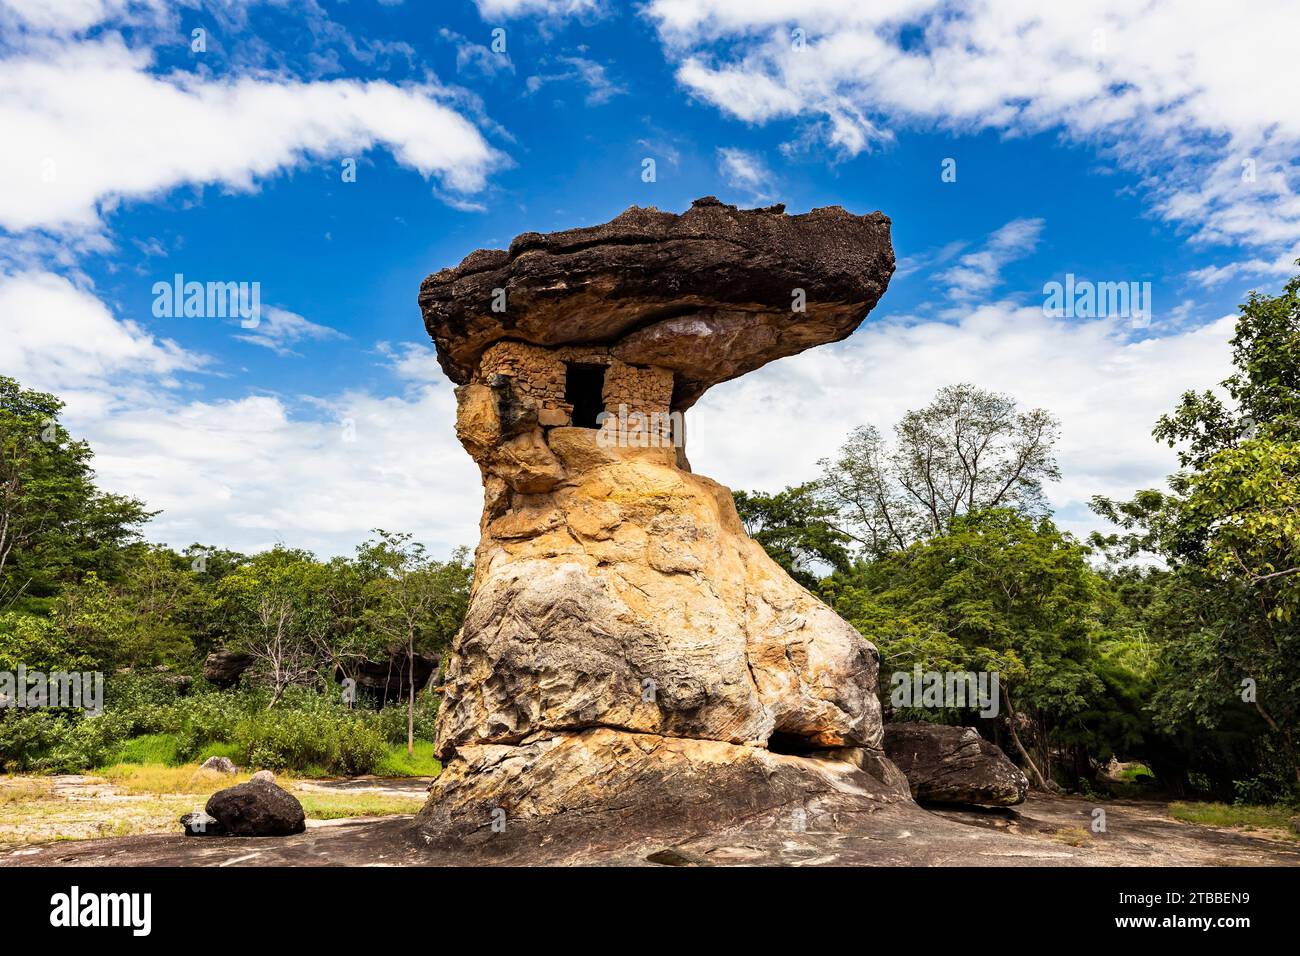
(1174, 642)
(81, 590)
(147, 719)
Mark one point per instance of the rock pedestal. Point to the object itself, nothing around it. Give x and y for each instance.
(631, 660)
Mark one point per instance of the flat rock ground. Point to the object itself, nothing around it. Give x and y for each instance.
(1044, 831)
(46, 810)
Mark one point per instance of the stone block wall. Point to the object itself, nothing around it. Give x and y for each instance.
(638, 398)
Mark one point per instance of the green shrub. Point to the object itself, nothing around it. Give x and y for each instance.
(392, 719)
(27, 735)
(398, 763)
(307, 737)
(360, 748)
(146, 721)
(149, 749)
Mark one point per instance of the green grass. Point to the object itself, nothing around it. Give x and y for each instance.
(1131, 773)
(160, 750)
(216, 749)
(151, 749)
(1232, 815)
(334, 806)
(161, 780)
(163, 750)
(397, 763)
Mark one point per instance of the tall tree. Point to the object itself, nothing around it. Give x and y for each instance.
(55, 525)
(967, 451)
(417, 602)
(1229, 531)
(274, 609)
(795, 527)
(998, 592)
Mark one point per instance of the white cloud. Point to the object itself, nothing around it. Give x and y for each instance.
(472, 57)
(767, 429)
(312, 471)
(600, 88)
(87, 124)
(61, 338)
(507, 9)
(278, 328)
(976, 273)
(745, 171)
(1211, 276)
(749, 96)
(248, 473)
(412, 361)
(61, 16)
(1160, 86)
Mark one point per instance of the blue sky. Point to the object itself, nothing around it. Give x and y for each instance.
(1105, 142)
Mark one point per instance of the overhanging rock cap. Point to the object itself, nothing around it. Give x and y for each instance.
(710, 294)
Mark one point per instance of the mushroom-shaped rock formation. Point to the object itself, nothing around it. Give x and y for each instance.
(630, 655)
(708, 295)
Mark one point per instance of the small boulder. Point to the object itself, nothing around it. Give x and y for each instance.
(257, 808)
(224, 668)
(953, 765)
(263, 776)
(199, 823)
(220, 765)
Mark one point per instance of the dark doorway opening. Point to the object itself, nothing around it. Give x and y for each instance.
(791, 744)
(584, 388)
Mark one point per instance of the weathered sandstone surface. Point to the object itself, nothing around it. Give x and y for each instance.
(707, 294)
(953, 765)
(629, 652)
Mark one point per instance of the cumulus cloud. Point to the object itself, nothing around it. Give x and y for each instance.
(766, 429)
(63, 338)
(317, 471)
(257, 470)
(88, 124)
(1159, 86)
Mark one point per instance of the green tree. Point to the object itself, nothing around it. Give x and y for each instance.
(87, 627)
(416, 603)
(274, 610)
(969, 450)
(794, 527)
(999, 592)
(40, 643)
(55, 525)
(1229, 532)
(167, 606)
